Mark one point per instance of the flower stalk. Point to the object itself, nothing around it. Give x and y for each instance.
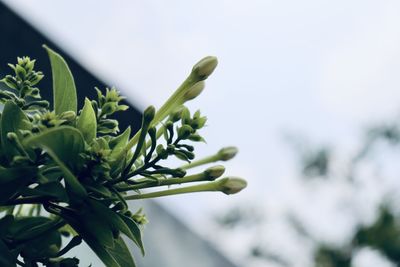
(227, 185)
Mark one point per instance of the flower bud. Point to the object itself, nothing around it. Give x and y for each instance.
(232, 185)
(214, 172)
(67, 115)
(176, 114)
(227, 153)
(148, 114)
(10, 82)
(185, 131)
(194, 91)
(204, 68)
(11, 136)
(20, 72)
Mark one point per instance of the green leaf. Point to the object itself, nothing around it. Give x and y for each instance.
(39, 236)
(14, 179)
(122, 254)
(119, 222)
(135, 233)
(104, 254)
(13, 119)
(6, 256)
(64, 141)
(51, 189)
(87, 123)
(5, 222)
(63, 144)
(44, 246)
(118, 143)
(64, 91)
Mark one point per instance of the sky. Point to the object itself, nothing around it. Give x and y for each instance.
(317, 68)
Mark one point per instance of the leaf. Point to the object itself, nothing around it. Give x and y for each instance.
(13, 119)
(38, 234)
(63, 144)
(6, 256)
(104, 254)
(14, 179)
(118, 143)
(5, 222)
(64, 91)
(87, 123)
(44, 246)
(51, 189)
(95, 232)
(136, 234)
(122, 254)
(119, 222)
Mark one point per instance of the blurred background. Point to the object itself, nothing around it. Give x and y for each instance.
(308, 90)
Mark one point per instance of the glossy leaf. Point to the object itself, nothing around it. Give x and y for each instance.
(87, 122)
(64, 91)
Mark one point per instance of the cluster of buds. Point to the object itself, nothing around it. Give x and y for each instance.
(105, 106)
(49, 119)
(177, 125)
(22, 84)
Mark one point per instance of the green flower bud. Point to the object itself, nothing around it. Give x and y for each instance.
(227, 153)
(108, 124)
(196, 138)
(204, 68)
(176, 114)
(68, 115)
(185, 131)
(35, 79)
(10, 82)
(12, 136)
(214, 172)
(231, 185)
(194, 91)
(199, 123)
(20, 72)
(109, 108)
(148, 114)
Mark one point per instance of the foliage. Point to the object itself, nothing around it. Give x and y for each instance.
(70, 173)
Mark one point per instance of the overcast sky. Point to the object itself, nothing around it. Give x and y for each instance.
(318, 68)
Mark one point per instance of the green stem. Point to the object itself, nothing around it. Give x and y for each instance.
(210, 186)
(26, 200)
(173, 101)
(163, 182)
(199, 162)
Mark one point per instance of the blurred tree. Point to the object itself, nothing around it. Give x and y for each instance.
(382, 235)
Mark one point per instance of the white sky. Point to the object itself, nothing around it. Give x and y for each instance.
(320, 68)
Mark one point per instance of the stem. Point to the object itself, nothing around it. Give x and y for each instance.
(210, 186)
(27, 200)
(75, 241)
(163, 112)
(163, 182)
(199, 162)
